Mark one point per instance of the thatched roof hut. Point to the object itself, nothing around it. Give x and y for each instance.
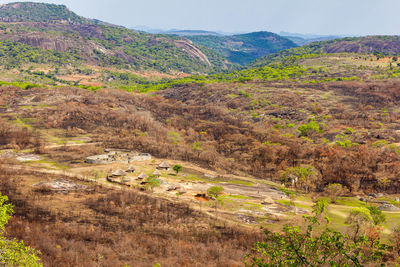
(164, 166)
(131, 169)
(157, 173)
(118, 173)
(142, 176)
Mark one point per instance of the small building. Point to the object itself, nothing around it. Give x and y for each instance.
(156, 173)
(142, 176)
(119, 173)
(163, 166)
(130, 169)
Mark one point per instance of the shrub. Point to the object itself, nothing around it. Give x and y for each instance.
(309, 129)
(327, 247)
(177, 168)
(377, 215)
(13, 252)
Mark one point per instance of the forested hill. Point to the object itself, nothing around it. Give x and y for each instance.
(54, 28)
(38, 12)
(244, 48)
(377, 45)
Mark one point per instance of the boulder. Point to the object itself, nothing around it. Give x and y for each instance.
(388, 207)
(397, 199)
(267, 201)
(373, 195)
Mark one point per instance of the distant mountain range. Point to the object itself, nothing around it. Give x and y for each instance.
(48, 33)
(50, 27)
(304, 39)
(81, 40)
(244, 48)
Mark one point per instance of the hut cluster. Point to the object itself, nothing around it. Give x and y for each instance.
(124, 177)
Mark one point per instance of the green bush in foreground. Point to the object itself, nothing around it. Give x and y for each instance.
(13, 252)
(325, 247)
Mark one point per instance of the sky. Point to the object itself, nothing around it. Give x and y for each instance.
(326, 17)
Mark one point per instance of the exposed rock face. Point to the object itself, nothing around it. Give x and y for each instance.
(187, 46)
(47, 43)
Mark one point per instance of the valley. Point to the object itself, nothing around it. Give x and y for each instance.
(125, 148)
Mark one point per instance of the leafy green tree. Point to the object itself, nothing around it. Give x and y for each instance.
(215, 192)
(377, 215)
(325, 247)
(302, 176)
(177, 168)
(14, 252)
(360, 218)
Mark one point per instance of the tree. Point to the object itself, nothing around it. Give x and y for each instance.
(333, 191)
(153, 183)
(302, 176)
(14, 252)
(215, 192)
(324, 247)
(359, 218)
(377, 215)
(177, 168)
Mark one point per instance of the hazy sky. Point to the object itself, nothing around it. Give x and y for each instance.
(351, 17)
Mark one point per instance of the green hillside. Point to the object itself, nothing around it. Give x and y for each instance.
(38, 12)
(244, 48)
(53, 28)
(378, 45)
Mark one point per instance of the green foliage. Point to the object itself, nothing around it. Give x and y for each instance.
(325, 247)
(39, 12)
(153, 182)
(244, 48)
(177, 168)
(377, 215)
(14, 252)
(380, 143)
(300, 175)
(349, 130)
(14, 54)
(360, 214)
(215, 191)
(344, 141)
(309, 129)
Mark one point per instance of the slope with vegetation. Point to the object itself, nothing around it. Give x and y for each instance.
(379, 46)
(55, 28)
(244, 48)
(38, 12)
(311, 125)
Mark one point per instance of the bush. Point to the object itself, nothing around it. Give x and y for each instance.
(297, 247)
(309, 129)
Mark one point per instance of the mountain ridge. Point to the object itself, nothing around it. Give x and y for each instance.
(244, 48)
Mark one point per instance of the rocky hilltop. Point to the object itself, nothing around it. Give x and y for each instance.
(56, 28)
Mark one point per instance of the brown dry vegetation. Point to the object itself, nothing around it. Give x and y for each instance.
(218, 118)
(112, 227)
(212, 125)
